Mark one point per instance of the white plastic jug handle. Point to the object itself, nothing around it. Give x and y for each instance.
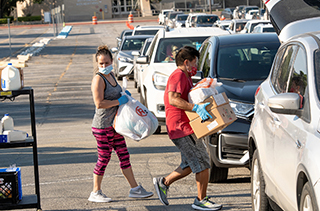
(124, 83)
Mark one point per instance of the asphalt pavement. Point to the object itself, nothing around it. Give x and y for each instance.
(61, 76)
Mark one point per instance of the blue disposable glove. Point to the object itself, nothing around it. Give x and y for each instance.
(123, 100)
(201, 111)
(127, 92)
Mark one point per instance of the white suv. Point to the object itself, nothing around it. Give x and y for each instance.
(158, 67)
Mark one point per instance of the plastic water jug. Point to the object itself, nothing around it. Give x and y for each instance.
(10, 78)
(7, 122)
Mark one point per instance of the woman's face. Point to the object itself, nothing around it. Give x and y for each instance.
(104, 60)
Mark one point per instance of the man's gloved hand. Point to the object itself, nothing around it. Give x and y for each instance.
(127, 92)
(123, 100)
(201, 111)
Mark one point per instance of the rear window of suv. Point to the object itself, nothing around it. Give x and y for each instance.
(246, 62)
(165, 46)
(146, 32)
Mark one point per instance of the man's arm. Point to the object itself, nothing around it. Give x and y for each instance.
(176, 101)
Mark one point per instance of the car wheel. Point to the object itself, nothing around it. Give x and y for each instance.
(217, 174)
(307, 200)
(259, 198)
(138, 89)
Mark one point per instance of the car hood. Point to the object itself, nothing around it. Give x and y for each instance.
(284, 12)
(239, 91)
(126, 54)
(164, 68)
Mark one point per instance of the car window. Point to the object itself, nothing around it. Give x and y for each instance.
(147, 44)
(202, 52)
(317, 71)
(282, 69)
(246, 62)
(128, 33)
(146, 32)
(152, 46)
(182, 17)
(269, 30)
(166, 47)
(207, 62)
(133, 44)
(298, 81)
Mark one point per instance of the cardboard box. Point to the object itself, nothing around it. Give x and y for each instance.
(222, 116)
(215, 101)
(21, 76)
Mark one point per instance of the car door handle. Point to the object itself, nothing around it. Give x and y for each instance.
(276, 121)
(298, 143)
(261, 105)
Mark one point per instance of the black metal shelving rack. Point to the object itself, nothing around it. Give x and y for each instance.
(29, 201)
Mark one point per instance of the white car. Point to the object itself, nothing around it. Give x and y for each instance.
(248, 28)
(159, 63)
(162, 16)
(123, 58)
(138, 68)
(237, 25)
(191, 17)
(284, 138)
(261, 28)
(146, 30)
(252, 14)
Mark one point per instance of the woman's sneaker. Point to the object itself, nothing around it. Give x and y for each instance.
(140, 192)
(205, 204)
(98, 197)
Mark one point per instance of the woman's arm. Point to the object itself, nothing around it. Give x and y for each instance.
(97, 89)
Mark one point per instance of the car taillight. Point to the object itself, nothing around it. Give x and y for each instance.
(257, 91)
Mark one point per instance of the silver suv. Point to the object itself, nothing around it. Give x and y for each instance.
(284, 137)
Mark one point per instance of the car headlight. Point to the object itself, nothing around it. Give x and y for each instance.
(125, 59)
(242, 109)
(160, 81)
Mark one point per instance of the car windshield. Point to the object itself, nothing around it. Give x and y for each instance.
(206, 19)
(133, 44)
(182, 17)
(128, 33)
(168, 47)
(146, 32)
(246, 62)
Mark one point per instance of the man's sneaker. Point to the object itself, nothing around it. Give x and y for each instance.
(140, 193)
(162, 190)
(98, 197)
(205, 204)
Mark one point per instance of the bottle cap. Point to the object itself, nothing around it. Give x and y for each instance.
(9, 63)
(6, 115)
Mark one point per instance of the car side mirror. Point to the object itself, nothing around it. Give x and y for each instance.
(119, 39)
(197, 77)
(285, 103)
(135, 53)
(114, 49)
(143, 60)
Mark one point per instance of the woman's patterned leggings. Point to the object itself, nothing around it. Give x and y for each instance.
(108, 139)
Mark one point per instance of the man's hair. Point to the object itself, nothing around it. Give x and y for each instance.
(186, 52)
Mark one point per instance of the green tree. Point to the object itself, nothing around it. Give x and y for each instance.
(7, 6)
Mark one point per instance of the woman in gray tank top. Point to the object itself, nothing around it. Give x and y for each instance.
(107, 98)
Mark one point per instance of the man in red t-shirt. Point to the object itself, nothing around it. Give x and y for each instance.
(194, 157)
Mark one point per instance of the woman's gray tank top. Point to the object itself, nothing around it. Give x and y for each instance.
(103, 118)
